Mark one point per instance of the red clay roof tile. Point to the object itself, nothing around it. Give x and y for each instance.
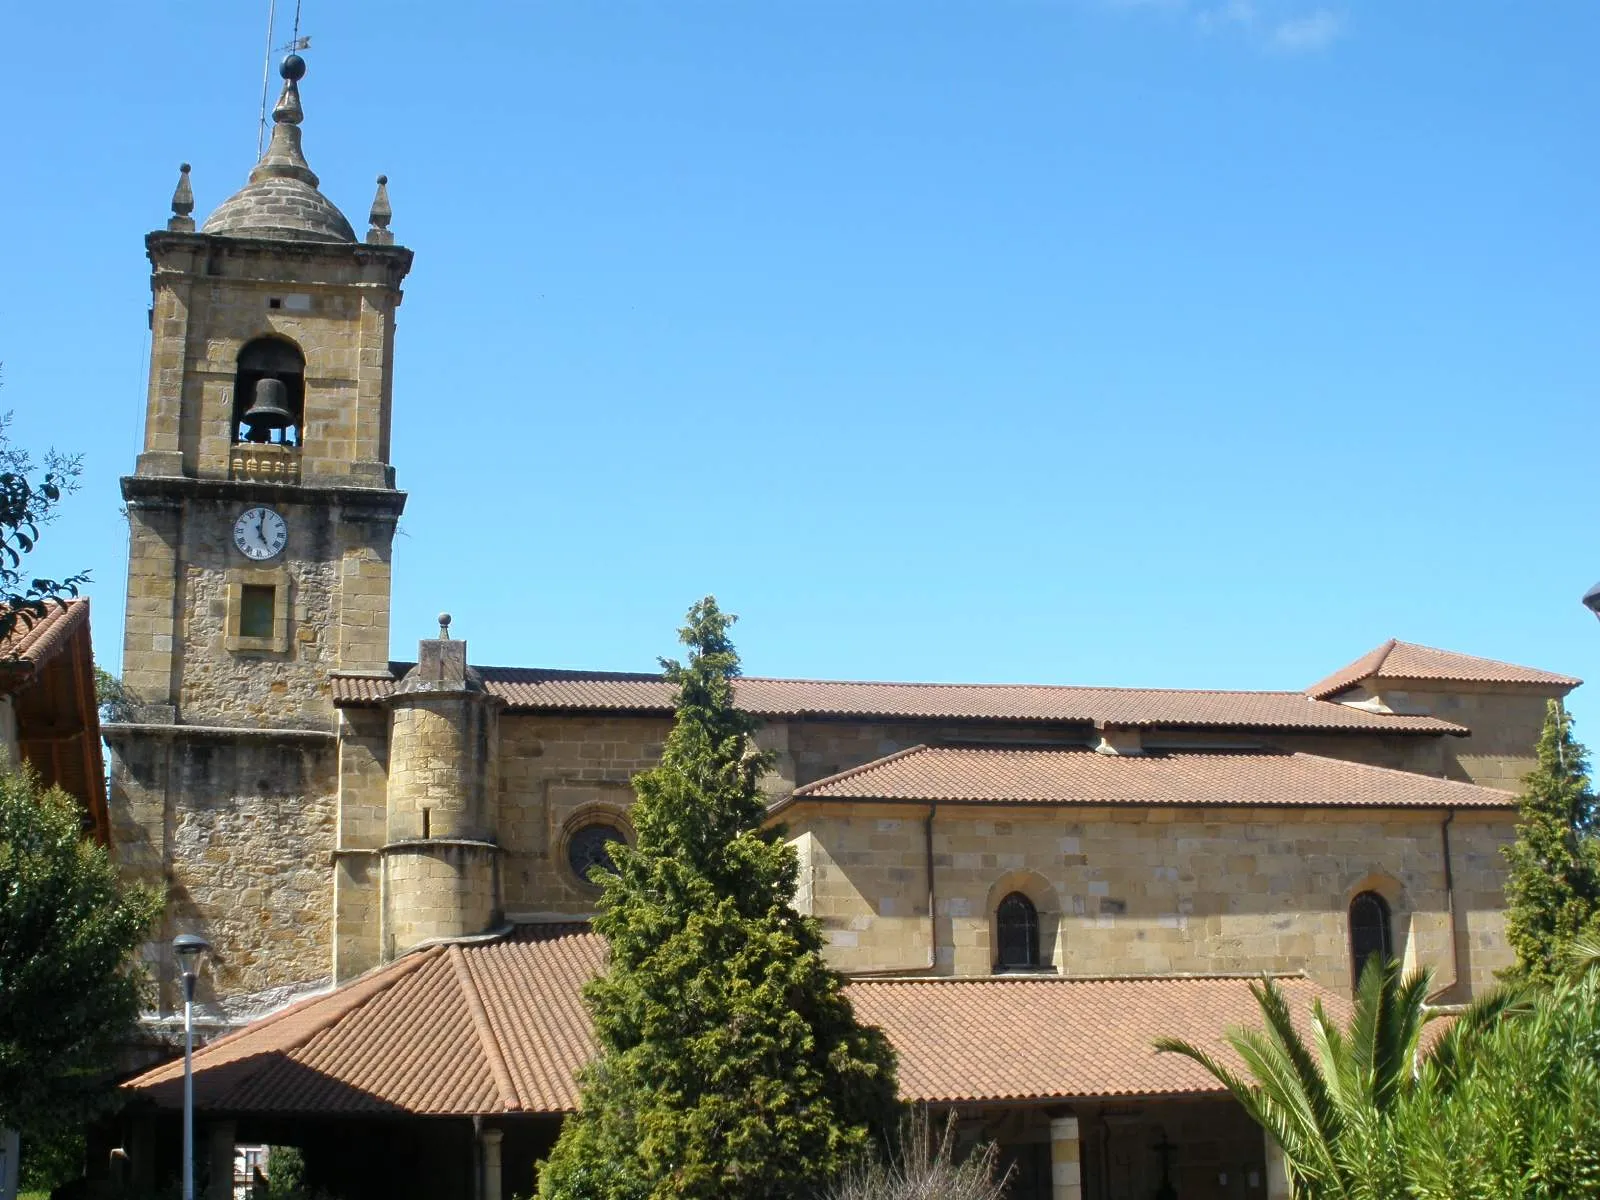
(1407, 660)
(974, 774)
(531, 690)
(31, 645)
(404, 1039)
(961, 1041)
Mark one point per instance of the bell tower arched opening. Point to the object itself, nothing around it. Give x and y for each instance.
(269, 393)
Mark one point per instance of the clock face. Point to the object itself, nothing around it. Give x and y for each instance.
(260, 533)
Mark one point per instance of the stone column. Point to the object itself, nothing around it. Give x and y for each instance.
(1277, 1172)
(1066, 1156)
(220, 1143)
(491, 1163)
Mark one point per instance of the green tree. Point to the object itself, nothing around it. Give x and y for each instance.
(731, 1063)
(29, 494)
(1553, 891)
(69, 992)
(1519, 1119)
(1334, 1104)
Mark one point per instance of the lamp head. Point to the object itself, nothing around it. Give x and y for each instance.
(189, 947)
(1591, 599)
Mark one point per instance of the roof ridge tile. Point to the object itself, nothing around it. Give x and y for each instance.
(493, 1053)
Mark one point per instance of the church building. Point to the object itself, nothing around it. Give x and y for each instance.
(1026, 884)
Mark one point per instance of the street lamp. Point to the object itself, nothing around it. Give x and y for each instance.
(1591, 599)
(188, 947)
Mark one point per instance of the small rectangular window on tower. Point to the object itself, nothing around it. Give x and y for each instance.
(256, 610)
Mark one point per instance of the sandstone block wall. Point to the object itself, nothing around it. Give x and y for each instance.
(443, 762)
(437, 889)
(178, 654)
(212, 295)
(1505, 721)
(363, 825)
(558, 772)
(239, 834)
(1149, 891)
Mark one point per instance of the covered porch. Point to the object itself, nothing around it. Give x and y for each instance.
(447, 1074)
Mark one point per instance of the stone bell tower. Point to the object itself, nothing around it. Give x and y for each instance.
(261, 516)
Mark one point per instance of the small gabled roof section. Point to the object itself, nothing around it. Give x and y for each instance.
(1056, 776)
(47, 672)
(1407, 660)
(36, 641)
(482, 1028)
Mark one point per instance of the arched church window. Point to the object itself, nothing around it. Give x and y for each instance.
(589, 846)
(269, 393)
(1371, 932)
(1016, 924)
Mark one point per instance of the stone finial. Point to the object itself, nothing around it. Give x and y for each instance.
(284, 158)
(182, 203)
(444, 627)
(381, 215)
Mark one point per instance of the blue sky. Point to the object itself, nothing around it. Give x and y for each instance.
(1153, 342)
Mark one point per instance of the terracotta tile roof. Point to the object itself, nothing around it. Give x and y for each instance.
(1407, 660)
(1037, 1039)
(31, 646)
(487, 1028)
(1074, 776)
(411, 1038)
(529, 690)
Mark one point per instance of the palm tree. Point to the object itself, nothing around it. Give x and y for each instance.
(1330, 1103)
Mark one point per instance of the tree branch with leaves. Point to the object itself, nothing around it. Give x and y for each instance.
(29, 494)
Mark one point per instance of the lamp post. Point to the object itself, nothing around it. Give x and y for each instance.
(188, 947)
(1591, 599)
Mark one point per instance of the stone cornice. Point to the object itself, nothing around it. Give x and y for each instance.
(157, 491)
(114, 731)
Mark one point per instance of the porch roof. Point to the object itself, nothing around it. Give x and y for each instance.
(500, 1027)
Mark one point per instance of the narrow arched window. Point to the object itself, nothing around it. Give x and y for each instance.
(1016, 924)
(1370, 932)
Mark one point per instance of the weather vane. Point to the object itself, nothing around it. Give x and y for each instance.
(294, 45)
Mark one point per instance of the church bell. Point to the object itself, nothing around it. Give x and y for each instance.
(270, 410)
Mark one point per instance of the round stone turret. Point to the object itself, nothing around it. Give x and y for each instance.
(441, 855)
(281, 202)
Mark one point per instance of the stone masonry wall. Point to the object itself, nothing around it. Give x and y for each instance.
(437, 889)
(557, 772)
(1150, 891)
(363, 822)
(254, 688)
(443, 762)
(1505, 723)
(239, 834)
(213, 295)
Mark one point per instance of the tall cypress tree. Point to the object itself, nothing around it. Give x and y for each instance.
(731, 1064)
(1553, 892)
